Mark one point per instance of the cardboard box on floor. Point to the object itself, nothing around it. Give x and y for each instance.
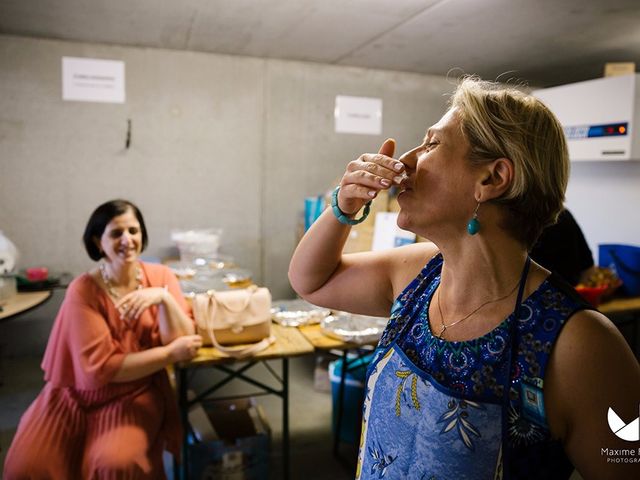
(321, 382)
(231, 441)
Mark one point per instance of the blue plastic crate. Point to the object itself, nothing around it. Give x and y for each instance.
(354, 390)
(625, 261)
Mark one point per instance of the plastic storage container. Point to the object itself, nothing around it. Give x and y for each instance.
(354, 390)
(625, 260)
(8, 288)
(199, 247)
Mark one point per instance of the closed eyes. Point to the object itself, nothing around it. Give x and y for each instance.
(118, 232)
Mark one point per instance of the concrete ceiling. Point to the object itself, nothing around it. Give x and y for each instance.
(540, 42)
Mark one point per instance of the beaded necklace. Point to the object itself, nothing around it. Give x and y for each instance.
(110, 287)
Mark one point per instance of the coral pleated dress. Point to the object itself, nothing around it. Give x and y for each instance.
(82, 425)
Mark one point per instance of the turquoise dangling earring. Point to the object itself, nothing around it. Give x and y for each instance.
(473, 226)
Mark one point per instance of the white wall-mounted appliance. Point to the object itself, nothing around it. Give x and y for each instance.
(600, 118)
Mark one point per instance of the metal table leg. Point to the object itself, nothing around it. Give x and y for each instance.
(634, 334)
(183, 404)
(340, 407)
(286, 467)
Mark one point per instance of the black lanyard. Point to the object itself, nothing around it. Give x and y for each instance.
(513, 332)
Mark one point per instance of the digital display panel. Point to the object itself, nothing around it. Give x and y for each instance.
(593, 131)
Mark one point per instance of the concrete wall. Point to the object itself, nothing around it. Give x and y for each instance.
(230, 142)
(195, 158)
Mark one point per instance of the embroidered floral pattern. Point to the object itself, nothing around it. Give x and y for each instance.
(457, 416)
(414, 440)
(477, 369)
(405, 375)
(521, 431)
(380, 461)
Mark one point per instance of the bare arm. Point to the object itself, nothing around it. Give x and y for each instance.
(364, 282)
(591, 370)
(172, 319)
(141, 364)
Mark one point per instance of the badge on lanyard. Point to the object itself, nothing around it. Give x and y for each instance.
(532, 400)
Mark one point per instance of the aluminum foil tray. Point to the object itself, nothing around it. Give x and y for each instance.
(296, 313)
(348, 327)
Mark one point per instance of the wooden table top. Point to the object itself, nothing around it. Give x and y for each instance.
(620, 305)
(22, 302)
(289, 343)
(315, 336)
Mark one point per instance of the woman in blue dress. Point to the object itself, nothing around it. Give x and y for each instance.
(490, 367)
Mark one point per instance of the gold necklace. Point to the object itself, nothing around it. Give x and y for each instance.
(445, 326)
(110, 287)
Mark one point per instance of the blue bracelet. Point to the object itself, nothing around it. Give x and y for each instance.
(340, 215)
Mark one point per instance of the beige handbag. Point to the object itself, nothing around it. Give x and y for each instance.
(235, 317)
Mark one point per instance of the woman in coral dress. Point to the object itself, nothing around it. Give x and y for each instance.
(107, 409)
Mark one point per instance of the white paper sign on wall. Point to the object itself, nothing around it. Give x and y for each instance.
(358, 115)
(93, 80)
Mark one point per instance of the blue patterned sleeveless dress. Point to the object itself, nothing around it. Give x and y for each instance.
(438, 410)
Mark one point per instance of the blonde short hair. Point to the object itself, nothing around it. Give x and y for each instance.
(501, 121)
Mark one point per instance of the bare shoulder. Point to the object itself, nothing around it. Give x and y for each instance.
(591, 349)
(591, 339)
(591, 370)
(407, 261)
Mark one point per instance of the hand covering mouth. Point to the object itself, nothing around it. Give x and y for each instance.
(405, 183)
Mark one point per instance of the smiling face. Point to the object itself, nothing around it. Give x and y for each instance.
(439, 193)
(121, 241)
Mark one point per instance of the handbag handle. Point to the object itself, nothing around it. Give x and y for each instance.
(242, 351)
(247, 298)
(235, 352)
